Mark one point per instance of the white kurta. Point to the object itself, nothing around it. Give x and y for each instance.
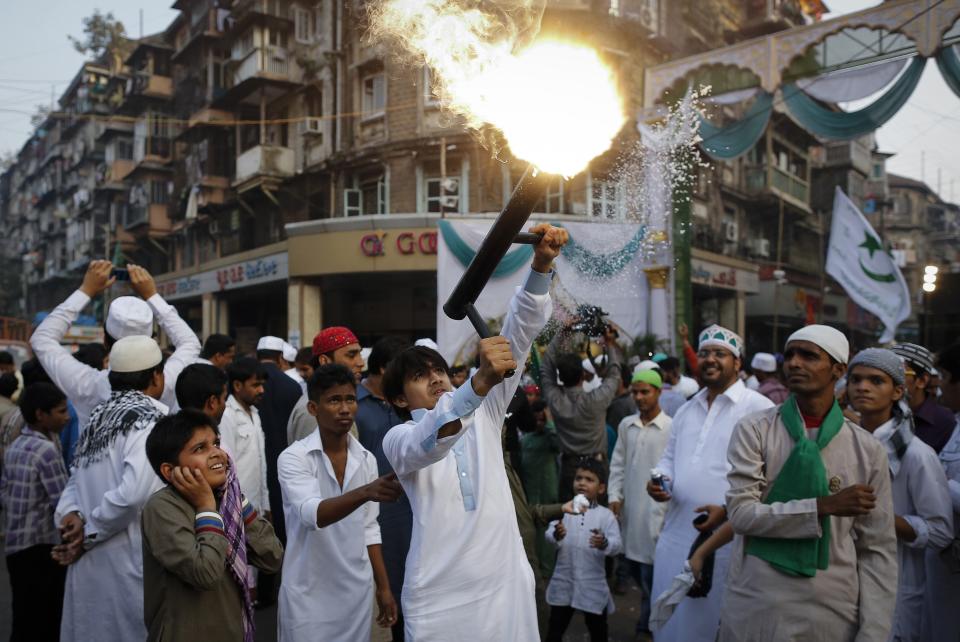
(942, 617)
(639, 448)
(579, 579)
(241, 435)
(88, 387)
(696, 462)
(467, 574)
(327, 587)
(854, 597)
(920, 496)
(104, 589)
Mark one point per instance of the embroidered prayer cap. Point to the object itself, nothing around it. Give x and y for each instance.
(717, 335)
(660, 356)
(881, 359)
(648, 376)
(134, 354)
(129, 316)
(646, 365)
(289, 352)
(915, 354)
(764, 362)
(830, 339)
(330, 339)
(271, 343)
(427, 343)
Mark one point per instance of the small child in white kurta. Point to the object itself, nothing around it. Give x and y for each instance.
(579, 579)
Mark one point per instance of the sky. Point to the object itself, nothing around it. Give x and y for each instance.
(36, 59)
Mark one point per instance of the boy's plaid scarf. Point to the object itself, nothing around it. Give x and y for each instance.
(235, 510)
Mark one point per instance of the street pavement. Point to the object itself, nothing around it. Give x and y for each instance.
(621, 623)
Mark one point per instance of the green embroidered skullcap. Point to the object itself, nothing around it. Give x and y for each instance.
(651, 377)
(717, 335)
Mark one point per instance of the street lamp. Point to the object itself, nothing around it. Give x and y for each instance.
(929, 286)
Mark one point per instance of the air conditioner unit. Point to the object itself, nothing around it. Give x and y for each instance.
(313, 126)
(450, 203)
(760, 247)
(730, 232)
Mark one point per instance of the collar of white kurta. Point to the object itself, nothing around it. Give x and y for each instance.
(734, 393)
(234, 405)
(657, 422)
(356, 454)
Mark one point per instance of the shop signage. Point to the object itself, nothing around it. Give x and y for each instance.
(230, 277)
(721, 276)
(406, 243)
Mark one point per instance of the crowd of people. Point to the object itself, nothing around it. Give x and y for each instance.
(167, 495)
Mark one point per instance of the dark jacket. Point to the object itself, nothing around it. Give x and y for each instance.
(280, 395)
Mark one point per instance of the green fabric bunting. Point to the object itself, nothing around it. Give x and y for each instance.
(803, 476)
(513, 261)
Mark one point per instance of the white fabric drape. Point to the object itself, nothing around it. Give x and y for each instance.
(852, 84)
(623, 296)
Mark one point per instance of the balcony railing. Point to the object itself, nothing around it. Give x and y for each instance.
(265, 160)
(760, 178)
(150, 85)
(272, 61)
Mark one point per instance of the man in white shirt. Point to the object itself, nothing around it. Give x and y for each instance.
(330, 493)
(467, 573)
(641, 440)
(302, 369)
(99, 510)
(695, 463)
(85, 386)
(923, 519)
(241, 433)
(219, 350)
(290, 356)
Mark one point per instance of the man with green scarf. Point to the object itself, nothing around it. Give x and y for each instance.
(815, 552)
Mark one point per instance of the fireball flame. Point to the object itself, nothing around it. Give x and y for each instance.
(556, 103)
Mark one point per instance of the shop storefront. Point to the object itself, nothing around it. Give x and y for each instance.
(721, 288)
(244, 295)
(375, 274)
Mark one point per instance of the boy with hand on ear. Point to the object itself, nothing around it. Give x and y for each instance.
(200, 535)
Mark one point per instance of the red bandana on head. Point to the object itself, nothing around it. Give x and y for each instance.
(330, 339)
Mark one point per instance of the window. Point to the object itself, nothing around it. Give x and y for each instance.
(244, 45)
(303, 25)
(123, 149)
(878, 170)
(277, 38)
(159, 192)
(374, 98)
(352, 202)
(318, 22)
(443, 194)
(604, 199)
(553, 198)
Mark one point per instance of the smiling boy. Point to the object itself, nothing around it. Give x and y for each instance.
(467, 574)
(200, 535)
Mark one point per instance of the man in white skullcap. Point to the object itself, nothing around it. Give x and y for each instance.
(695, 462)
(290, 356)
(99, 510)
(815, 554)
(85, 386)
(764, 366)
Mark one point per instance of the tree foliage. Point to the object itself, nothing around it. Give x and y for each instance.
(102, 34)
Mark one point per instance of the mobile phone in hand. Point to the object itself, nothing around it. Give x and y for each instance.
(120, 274)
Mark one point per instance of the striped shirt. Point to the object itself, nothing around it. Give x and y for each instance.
(34, 475)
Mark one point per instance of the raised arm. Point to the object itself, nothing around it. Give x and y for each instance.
(181, 335)
(412, 446)
(76, 380)
(795, 519)
(876, 546)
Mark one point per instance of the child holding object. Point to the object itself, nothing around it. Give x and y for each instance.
(467, 574)
(579, 579)
(200, 536)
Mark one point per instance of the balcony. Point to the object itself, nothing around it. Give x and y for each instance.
(244, 11)
(266, 63)
(150, 86)
(764, 178)
(266, 161)
(153, 218)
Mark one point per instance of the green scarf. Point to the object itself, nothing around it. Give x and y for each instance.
(803, 476)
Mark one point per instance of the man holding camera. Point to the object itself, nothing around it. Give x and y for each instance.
(580, 416)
